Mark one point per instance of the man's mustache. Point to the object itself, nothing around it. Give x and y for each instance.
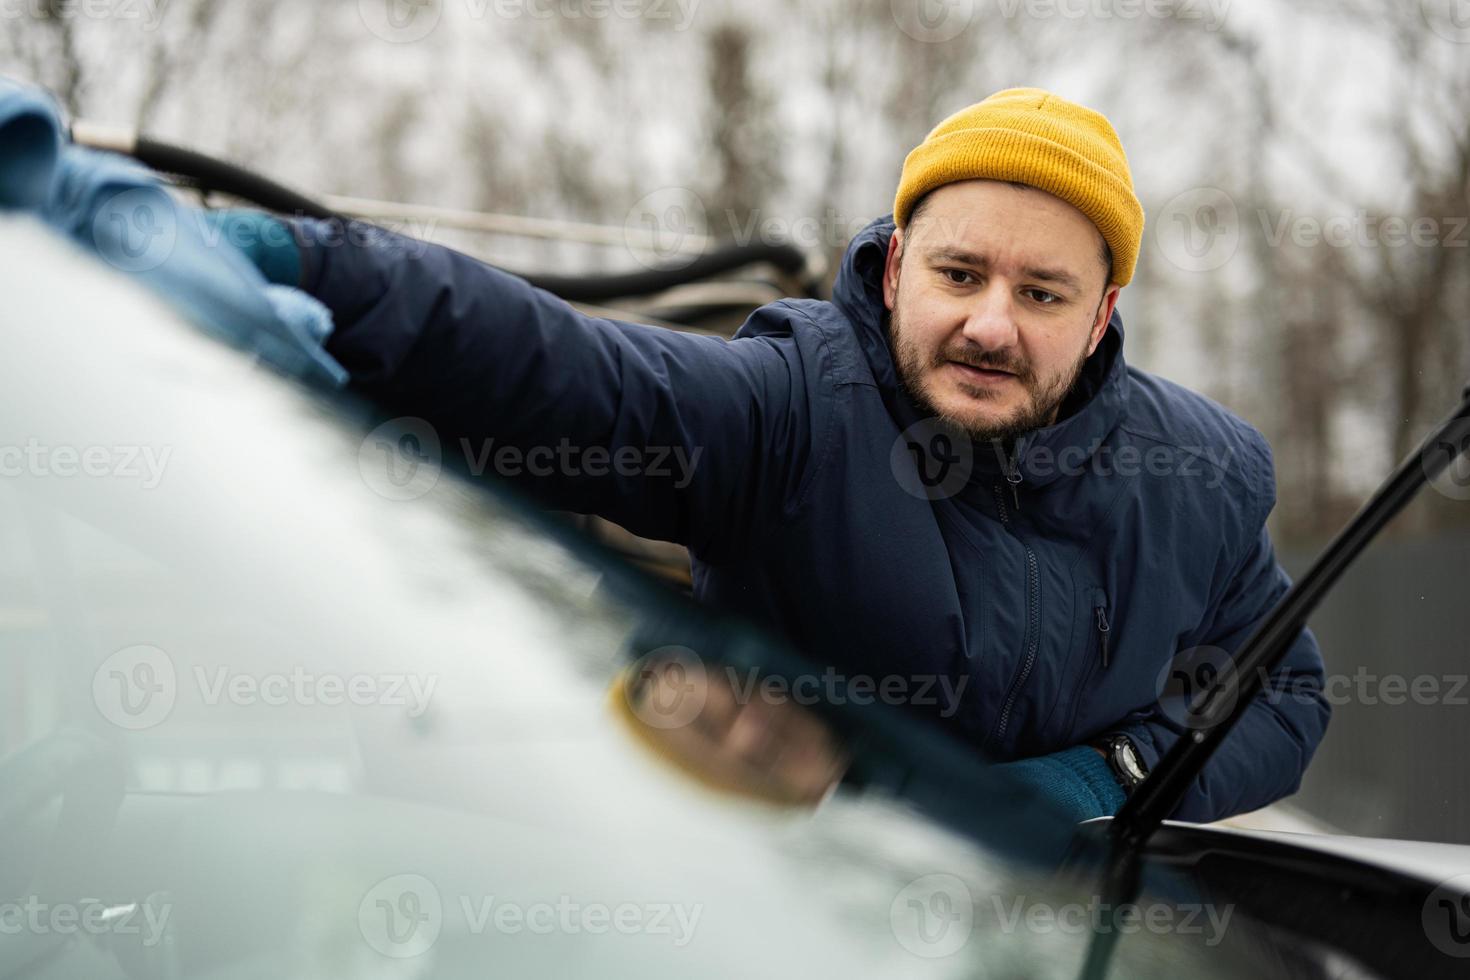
(986, 361)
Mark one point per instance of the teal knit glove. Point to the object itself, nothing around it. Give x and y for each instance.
(266, 241)
(1078, 781)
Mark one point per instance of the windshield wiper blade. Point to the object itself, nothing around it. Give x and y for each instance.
(1158, 795)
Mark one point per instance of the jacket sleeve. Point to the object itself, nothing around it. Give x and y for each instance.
(1262, 760)
(675, 436)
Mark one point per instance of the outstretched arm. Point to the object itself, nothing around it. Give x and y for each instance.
(675, 436)
(1264, 756)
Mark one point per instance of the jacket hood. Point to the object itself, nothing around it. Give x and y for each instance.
(1090, 413)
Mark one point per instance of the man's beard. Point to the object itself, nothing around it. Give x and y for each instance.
(1046, 398)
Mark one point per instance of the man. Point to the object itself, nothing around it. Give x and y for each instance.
(947, 473)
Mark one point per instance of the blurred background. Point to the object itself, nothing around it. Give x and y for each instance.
(1304, 168)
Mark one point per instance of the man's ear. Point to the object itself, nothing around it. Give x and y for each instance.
(890, 269)
(1104, 314)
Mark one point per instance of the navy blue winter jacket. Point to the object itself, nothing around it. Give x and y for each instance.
(1054, 588)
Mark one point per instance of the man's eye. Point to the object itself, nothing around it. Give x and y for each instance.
(959, 277)
(1043, 297)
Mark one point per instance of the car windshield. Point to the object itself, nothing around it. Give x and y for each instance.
(284, 700)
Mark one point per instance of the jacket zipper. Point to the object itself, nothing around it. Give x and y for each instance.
(1033, 613)
(1103, 628)
(1013, 477)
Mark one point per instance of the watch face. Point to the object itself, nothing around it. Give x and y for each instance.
(1127, 758)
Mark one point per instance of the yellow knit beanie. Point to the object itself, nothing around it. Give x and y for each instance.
(1033, 137)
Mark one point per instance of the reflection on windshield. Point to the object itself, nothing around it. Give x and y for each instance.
(326, 732)
(695, 718)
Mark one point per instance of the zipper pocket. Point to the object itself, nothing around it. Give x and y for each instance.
(1033, 631)
(1097, 647)
(1100, 622)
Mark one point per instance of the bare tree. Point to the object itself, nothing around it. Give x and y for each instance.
(45, 45)
(743, 139)
(174, 57)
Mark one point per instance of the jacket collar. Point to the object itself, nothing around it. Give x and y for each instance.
(1090, 414)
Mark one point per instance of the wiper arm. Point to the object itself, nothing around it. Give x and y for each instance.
(1157, 796)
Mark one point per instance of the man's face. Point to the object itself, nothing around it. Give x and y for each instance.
(997, 295)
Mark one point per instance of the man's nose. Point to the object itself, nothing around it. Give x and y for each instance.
(991, 323)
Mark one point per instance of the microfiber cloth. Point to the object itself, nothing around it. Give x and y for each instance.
(122, 213)
(30, 144)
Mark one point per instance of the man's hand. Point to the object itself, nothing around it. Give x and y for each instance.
(1077, 781)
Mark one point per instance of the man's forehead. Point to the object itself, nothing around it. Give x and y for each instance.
(965, 213)
(982, 222)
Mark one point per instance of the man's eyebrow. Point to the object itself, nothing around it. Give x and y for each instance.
(1059, 277)
(945, 253)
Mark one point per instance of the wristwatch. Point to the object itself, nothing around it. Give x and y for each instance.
(1123, 758)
